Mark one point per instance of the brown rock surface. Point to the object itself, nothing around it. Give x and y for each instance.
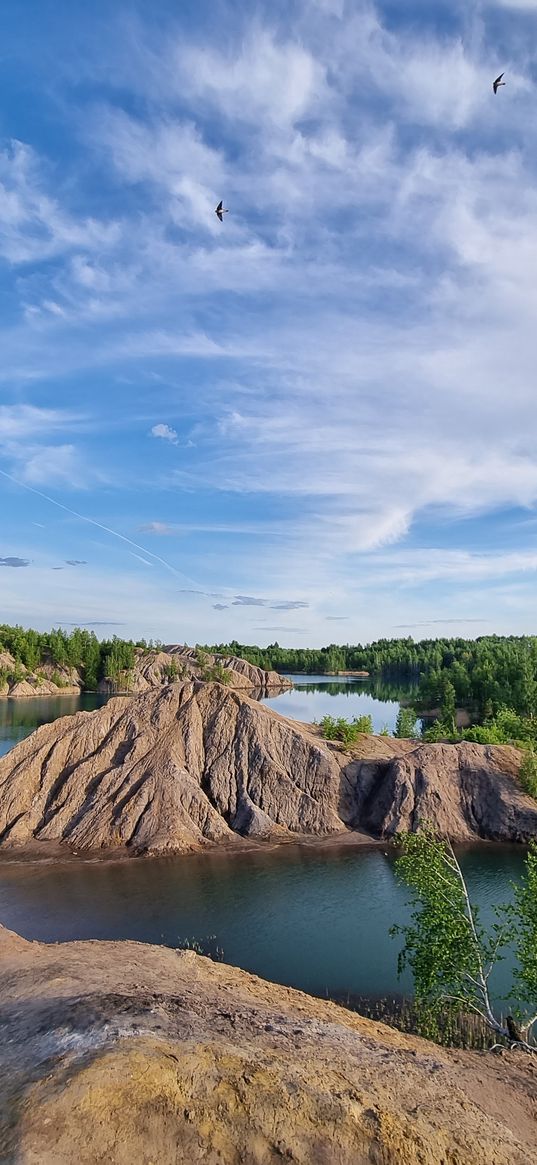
(153, 669)
(193, 764)
(121, 1053)
(466, 790)
(38, 683)
(179, 767)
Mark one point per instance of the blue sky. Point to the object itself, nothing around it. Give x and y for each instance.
(317, 421)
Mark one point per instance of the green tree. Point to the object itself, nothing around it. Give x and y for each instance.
(448, 706)
(450, 955)
(528, 774)
(406, 726)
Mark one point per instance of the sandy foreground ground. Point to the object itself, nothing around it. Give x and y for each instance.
(122, 1052)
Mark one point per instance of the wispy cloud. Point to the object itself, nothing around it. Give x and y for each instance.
(251, 601)
(34, 225)
(350, 356)
(15, 562)
(281, 627)
(440, 622)
(92, 623)
(162, 528)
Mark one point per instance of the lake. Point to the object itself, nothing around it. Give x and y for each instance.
(316, 696)
(311, 918)
(18, 718)
(313, 698)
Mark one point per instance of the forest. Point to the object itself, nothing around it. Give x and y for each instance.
(493, 677)
(79, 649)
(487, 675)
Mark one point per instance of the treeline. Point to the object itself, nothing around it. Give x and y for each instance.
(484, 675)
(94, 659)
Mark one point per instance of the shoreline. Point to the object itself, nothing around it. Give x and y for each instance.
(46, 853)
(79, 692)
(40, 854)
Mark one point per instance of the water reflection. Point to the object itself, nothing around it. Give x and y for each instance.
(313, 697)
(18, 718)
(309, 918)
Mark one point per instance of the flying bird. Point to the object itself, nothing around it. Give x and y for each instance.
(496, 84)
(221, 211)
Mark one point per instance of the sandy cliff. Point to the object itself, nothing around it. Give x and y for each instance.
(16, 680)
(194, 764)
(121, 1053)
(153, 669)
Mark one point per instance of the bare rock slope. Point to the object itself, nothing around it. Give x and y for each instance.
(152, 669)
(121, 1053)
(193, 764)
(47, 680)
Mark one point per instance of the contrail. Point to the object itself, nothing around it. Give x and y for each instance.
(99, 525)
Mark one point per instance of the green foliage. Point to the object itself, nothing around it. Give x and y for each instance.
(216, 674)
(78, 649)
(59, 680)
(439, 732)
(528, 774)
(345, 730)
(446, 948)
(201, 657)
(406, 726)
(485, 675)
(525, 914)
(118, 659)
(171, 671)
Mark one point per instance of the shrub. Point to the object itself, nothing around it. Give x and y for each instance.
(216, 674)
(528, 774)
(345, 730)
(406, 727)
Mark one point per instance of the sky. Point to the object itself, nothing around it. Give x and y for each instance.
(316, 421)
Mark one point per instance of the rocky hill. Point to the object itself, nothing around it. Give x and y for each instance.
(195, 764)
(121, 1053)
(47, 680)
(152, 669)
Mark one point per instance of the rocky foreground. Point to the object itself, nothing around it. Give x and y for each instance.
(120, 1053)
(195, 764)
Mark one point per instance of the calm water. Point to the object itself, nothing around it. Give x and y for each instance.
(311, 700)
(316, 696)
(311, 919)
(18, 718)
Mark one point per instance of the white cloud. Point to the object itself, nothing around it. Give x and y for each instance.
(520, 5)
(51, 465)
(267, 82)
(19, 422)
(33, 224)
(165, 433)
